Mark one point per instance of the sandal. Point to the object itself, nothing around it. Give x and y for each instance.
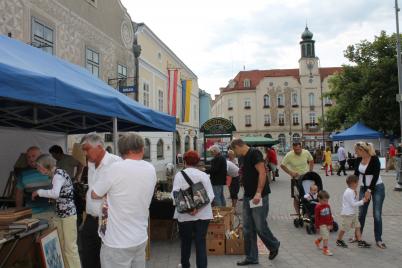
(381, 245)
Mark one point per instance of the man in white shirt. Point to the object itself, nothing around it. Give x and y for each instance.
(342, 160)
(128, 187)
(99, 160)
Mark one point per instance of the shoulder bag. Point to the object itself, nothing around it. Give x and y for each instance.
(194, 197)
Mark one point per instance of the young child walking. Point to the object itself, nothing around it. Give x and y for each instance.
(328, 161)
(349, 215)
(323, 221)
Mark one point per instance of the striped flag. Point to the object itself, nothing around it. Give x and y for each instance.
(187, 86)
(173, 76)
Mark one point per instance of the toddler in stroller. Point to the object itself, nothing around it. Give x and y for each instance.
(307, 188)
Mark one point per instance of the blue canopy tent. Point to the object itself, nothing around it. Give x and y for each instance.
(356, 132)
(40, 91)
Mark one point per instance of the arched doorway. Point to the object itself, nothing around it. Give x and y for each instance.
(296, 137)
(178, 147)
(186, 143)
(268, 136)
(282, 142)
(195, 143)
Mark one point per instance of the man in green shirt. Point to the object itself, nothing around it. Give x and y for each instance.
(296, 163)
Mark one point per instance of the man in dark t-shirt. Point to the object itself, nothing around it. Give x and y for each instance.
(255, 203)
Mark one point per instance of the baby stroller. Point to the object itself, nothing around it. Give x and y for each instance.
(306, 211)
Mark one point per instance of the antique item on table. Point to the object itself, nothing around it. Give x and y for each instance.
(51, 250)
(25, 224)
(10, 215)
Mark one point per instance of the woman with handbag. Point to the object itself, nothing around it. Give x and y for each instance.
(193, 220)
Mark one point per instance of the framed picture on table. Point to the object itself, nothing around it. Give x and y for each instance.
(50, 249)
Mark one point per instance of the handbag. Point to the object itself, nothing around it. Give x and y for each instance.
(194, 197)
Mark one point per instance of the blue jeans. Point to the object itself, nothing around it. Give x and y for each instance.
(199, 229)
(219, 199)
(378, 199)
(255, 222)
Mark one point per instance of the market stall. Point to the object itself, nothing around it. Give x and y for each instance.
(221, 130)
(42, 93)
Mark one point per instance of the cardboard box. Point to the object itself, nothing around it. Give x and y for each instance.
(216, 247)
(234, 246)
(227, 218)
(216, 231)
(162, 229)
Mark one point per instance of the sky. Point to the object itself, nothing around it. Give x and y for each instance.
(218, 38)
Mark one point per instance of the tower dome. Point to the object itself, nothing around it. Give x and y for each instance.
(307, 35)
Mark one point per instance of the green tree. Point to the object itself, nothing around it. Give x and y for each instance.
(365, 91)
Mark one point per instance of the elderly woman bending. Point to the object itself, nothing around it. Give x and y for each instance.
(66, 218)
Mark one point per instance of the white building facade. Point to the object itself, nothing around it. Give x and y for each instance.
(284, 104)
(154, 62)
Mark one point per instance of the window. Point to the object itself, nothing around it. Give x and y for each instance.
(42, 36)
(286, 84)
(160, 101)
(295, 119)
(160, 56)
(248, 120)
(195, 110)
(281, 102)
(267, 120)
(231, 119)
(266, 101)
(327, 101)
(271, 84)
(147, 149)
(246, 83)
(295, 99)
(311, 99)
(145, 88)
(281, 119)
(122, 75)
(312, 118)
(92, 61)
(247, 103)
(159, 149)
(230, 104)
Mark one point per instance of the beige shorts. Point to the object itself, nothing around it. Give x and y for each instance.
(349, 222)
(324, 232)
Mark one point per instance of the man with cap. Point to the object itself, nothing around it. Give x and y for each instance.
(342, 160)
(296, 163)
(217, 172)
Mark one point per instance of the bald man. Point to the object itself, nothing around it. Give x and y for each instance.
(30, 180)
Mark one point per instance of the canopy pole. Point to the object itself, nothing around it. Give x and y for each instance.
(174, 149)
(115, 135)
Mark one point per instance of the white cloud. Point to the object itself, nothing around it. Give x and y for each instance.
(217, 38)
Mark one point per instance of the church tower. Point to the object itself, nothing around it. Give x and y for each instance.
(308, 63)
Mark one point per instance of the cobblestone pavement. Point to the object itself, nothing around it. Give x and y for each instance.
(297, 248)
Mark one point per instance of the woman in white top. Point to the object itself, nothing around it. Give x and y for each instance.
(197, 221)
(368, 167)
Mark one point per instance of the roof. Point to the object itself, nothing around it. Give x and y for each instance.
(256, 76)
(41, 91)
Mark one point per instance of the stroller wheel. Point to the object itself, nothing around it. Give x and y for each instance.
(301, 223)
(335, 227)
(308, 229)
(296, 223)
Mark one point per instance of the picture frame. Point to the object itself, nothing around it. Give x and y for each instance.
(50, 249)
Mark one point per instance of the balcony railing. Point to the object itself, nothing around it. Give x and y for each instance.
(248, 125)
(295, 105)
(267, 124)
(296, 123)
(281, 106)
(265, 106)
(281, 123)
(230, 108)
(247, 107)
